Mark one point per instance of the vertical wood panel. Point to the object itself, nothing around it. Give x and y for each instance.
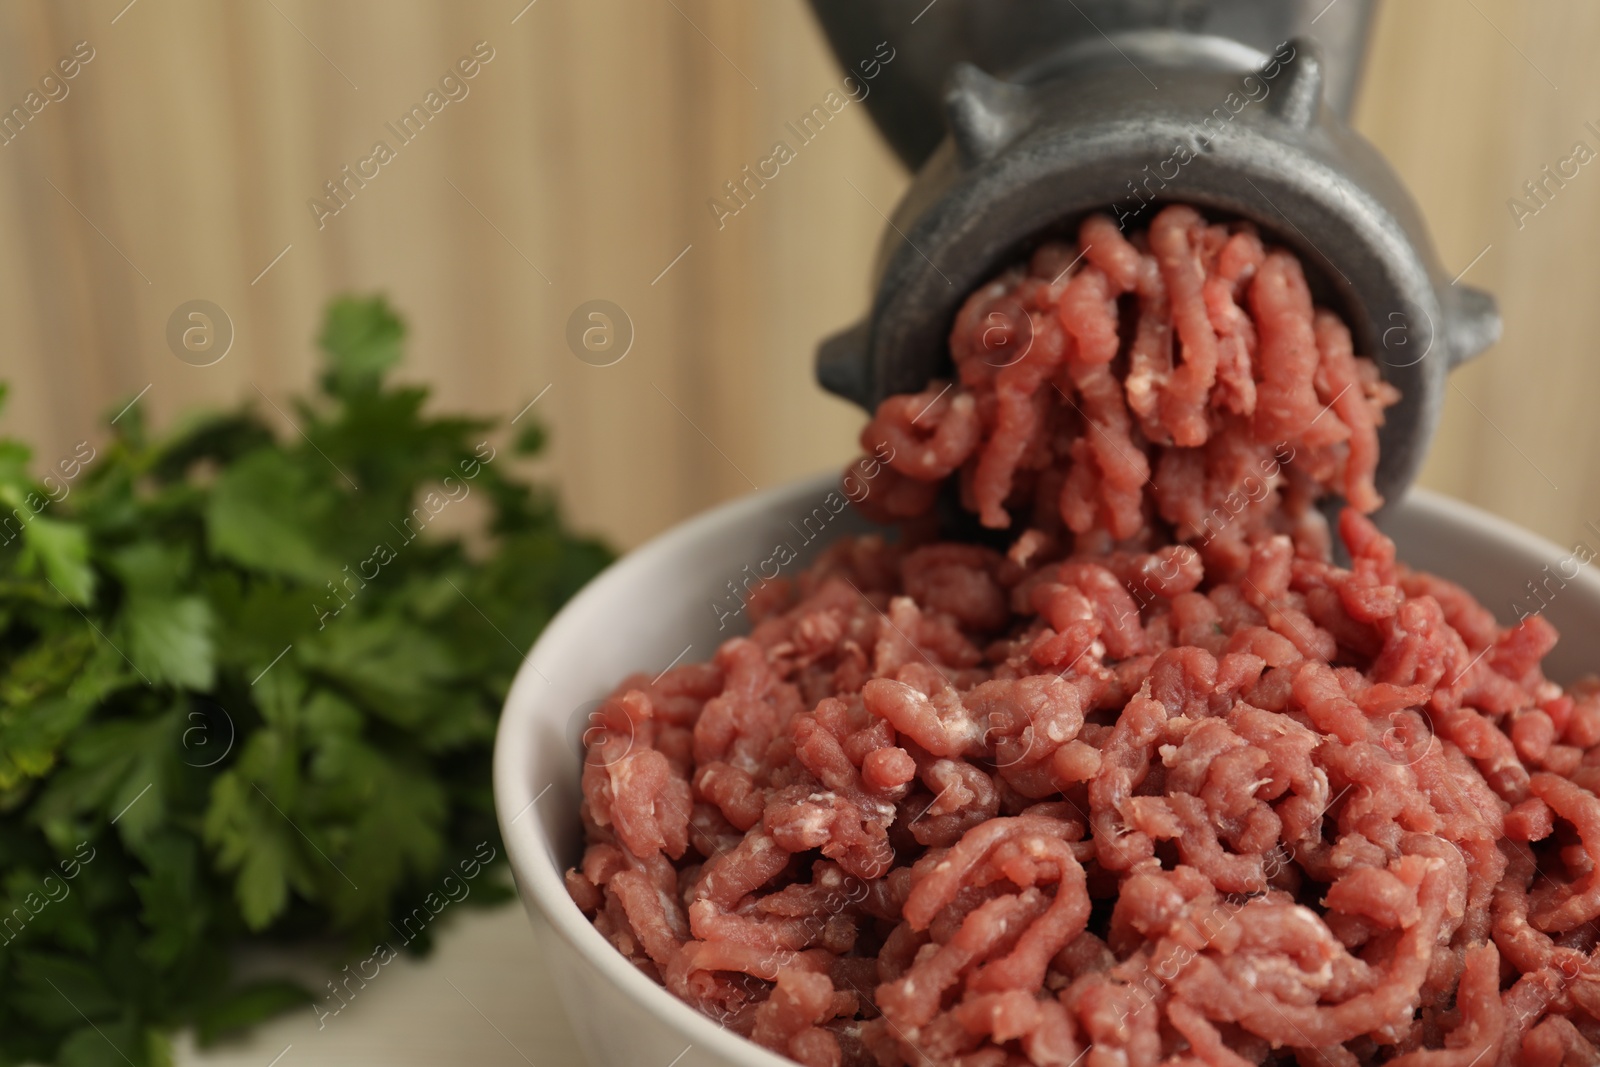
(1459, 100)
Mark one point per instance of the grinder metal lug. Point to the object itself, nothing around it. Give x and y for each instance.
(1297, 95)
(984, 113)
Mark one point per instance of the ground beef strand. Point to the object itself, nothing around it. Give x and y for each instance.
(1157, 784)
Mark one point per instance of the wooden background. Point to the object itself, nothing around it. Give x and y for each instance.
(579, 166)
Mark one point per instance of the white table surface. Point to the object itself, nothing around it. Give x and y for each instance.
(484, 997)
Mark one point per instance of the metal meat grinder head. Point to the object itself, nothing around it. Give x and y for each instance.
(1021, 116)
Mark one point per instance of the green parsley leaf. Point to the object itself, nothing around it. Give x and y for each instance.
(362, 339)
(61, 550)
(257, 514)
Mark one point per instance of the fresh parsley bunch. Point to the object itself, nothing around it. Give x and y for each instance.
(248, 691)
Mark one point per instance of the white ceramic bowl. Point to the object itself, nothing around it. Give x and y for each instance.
(645, 609)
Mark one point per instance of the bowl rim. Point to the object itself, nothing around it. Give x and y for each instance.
(540, 880)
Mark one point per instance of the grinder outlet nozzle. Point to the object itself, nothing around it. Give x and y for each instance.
(1123, 122)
